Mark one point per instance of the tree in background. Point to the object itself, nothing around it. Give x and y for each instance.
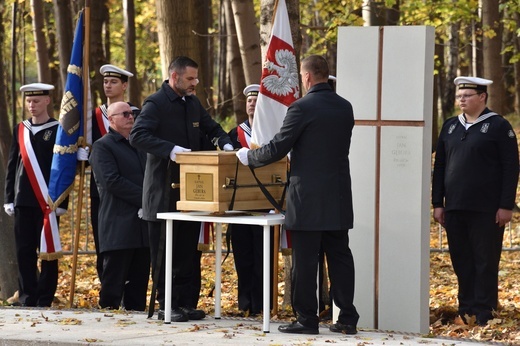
(134, 90)
(9, 267)
(235, 73)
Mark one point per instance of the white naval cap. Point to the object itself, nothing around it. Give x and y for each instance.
(114, 71)
(472, 83)
(36, 89)
(252, 90)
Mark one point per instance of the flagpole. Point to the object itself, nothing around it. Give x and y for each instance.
(82, 141)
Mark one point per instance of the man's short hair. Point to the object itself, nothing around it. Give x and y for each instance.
(180, 63)
(317, 66)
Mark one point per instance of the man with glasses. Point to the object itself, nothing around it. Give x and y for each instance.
(115, 83)
(474, 188)
(123, 237)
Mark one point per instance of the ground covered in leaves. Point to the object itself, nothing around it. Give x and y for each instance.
(443, 287)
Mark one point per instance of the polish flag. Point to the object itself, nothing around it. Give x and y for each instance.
(279, 86)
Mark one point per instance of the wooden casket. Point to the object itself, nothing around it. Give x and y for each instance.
(207, 180)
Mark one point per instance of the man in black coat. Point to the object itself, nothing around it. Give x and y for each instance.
(173, 120)
(115, 83)
(123, 236)
(316, 130)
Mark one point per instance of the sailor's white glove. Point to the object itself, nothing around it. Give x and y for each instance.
(140, 213)
(9, 209)
(82, 154)
(228, 147)
(242, 156)
(60, 211)
(177, 149)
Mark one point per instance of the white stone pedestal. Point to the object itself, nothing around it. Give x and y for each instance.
(387, 74)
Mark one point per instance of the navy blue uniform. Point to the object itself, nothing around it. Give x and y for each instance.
(475, 174)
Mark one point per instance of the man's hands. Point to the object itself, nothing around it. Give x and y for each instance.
(503, 216)
(9, 209)
(82, 154)
(177, 149)
(438, 215)
(228, 147)
(60, 211)
(242, 156)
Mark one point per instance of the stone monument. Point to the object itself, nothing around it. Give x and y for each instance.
(387, 75)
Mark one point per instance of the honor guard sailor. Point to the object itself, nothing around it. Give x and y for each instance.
(473, 194)
(26, 186)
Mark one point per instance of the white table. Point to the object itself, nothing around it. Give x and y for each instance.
(230, 217)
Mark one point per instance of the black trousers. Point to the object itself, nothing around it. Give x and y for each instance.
(185, 263)
(34, 289)
(247, 242)
(305, 255)
(125, 279)
(475, 243)
(94, 217)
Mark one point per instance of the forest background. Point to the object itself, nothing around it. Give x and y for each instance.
(228, 39)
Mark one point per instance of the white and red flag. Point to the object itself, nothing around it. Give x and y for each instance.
(279, 86)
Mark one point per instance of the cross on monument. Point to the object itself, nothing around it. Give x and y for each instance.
(387, 74)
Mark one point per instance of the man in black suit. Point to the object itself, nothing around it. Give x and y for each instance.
(173, 120)
(319, 199)
(123, 237)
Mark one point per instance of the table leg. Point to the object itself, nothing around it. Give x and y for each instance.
(267, 255)
(218, 270)
(168, 273)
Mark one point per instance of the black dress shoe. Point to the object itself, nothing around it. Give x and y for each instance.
(177, 315)
(343, 328)
(297, 328)
(193, 314)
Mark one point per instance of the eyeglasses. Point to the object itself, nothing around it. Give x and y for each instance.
(463, 97)
(126, 114)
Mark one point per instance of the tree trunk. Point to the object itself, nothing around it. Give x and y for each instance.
(98, 19)
(492, 46)
(223, 88)
(9, 267)
(134, 94)
(64, 31)
(235, 69)
(42, 52)
(42, 56)
(452, 62)
(248, 33)
(516, 68)
(175, 28)
(266, 24)
(201, 22)
(374, 13)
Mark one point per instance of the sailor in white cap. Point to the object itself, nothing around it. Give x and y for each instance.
(247, 240)
(115, 83)
(241, 135)
(473, 194)
(28, 171)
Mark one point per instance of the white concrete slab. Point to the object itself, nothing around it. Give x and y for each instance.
(387, 74)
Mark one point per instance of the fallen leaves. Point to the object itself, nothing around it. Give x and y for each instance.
(444, 321)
